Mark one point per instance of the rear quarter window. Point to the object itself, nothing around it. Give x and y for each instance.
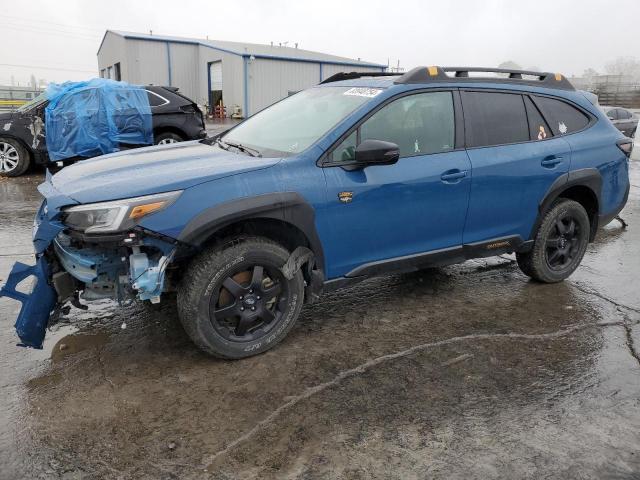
(156, 100)
(538, 127)
(562, 117)
(493, 118)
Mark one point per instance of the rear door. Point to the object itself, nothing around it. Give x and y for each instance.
(515, 158)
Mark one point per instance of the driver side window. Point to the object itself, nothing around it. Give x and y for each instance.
(419, 124)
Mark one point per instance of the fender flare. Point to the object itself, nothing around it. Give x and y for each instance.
(584, 177)
(289, 207)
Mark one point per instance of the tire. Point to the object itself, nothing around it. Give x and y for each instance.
(225, 279)
(14, 158)
(559, 244)
(167, 137)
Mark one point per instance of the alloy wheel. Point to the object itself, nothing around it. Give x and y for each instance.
(563, 243)
(9, 157)
(248, 303)
(166, 141)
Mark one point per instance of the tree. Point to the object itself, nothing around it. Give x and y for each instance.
(623, 66)
(510, 65)
(589, 73)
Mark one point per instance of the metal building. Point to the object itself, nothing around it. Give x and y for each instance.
(246, 77)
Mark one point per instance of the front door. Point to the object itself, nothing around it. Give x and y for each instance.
(385, 212)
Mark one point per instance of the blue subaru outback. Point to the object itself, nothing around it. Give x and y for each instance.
(362, 175)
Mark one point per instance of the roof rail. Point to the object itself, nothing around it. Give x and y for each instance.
(352, 75)
(461, 74)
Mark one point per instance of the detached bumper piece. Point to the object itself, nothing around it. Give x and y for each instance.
(36, 307)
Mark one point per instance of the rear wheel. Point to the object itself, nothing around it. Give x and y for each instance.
(168, 137)
(14, 158)
(234, 301)
(559, 244)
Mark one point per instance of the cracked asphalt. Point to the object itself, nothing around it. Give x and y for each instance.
(470, 371)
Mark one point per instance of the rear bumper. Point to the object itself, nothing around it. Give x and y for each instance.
(604, 219)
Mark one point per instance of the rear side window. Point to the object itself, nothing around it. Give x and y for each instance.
(538, 127)
(612, 114)
(562, 117)
(494, 118)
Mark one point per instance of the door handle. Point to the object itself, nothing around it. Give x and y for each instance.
(550, 162)
(451, 176)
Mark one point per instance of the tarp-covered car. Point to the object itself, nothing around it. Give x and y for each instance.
(79, 120)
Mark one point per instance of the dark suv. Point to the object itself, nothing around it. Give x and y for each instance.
(175, 118)
(360, 176)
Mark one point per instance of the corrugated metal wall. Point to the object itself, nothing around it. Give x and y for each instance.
(272, 80)
(269, 80)
(147, 62)
(184, 68)
(112, 52)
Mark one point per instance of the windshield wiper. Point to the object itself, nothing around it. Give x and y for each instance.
(248, 150)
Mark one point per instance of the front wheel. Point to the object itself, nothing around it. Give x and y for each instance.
(234, 301)
(559, 245)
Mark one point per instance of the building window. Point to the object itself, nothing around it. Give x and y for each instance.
(102, 73)
(116, 69)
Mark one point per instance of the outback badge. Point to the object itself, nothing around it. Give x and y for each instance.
(345, 197)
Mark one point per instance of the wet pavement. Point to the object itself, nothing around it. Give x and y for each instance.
(470, 371)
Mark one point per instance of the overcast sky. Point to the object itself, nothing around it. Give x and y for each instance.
(58, 40)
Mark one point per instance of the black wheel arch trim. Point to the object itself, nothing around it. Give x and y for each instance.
(584, 177)
(288, 207)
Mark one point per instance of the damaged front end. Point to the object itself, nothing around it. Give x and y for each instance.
(88, 252)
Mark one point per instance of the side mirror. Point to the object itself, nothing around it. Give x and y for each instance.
(377, 152)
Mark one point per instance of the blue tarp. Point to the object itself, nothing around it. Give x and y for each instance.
(86, 119)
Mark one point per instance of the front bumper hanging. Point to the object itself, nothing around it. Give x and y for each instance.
(37, 306)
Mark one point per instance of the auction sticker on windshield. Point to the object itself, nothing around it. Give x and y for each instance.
(363, 92)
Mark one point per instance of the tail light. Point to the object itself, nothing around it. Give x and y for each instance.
(626, 145)
(188, 109)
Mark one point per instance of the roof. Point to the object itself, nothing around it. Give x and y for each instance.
(250, 49)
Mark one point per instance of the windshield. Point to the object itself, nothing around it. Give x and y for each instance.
(295, 123)
(33, 103)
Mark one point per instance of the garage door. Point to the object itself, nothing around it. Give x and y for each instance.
(216, 76)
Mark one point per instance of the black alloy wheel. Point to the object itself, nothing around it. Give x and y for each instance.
(563, 242)
(559, 243)
(234, 300)
(249, 303)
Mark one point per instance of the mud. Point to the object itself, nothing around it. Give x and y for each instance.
(466, 372)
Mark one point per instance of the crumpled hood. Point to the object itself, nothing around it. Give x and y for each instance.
(144, 171)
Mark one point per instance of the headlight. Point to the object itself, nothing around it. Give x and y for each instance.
(116, 216)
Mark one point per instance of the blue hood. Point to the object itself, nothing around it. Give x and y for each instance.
(150, 170)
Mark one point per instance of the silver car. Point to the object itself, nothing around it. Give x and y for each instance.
(625, 120)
